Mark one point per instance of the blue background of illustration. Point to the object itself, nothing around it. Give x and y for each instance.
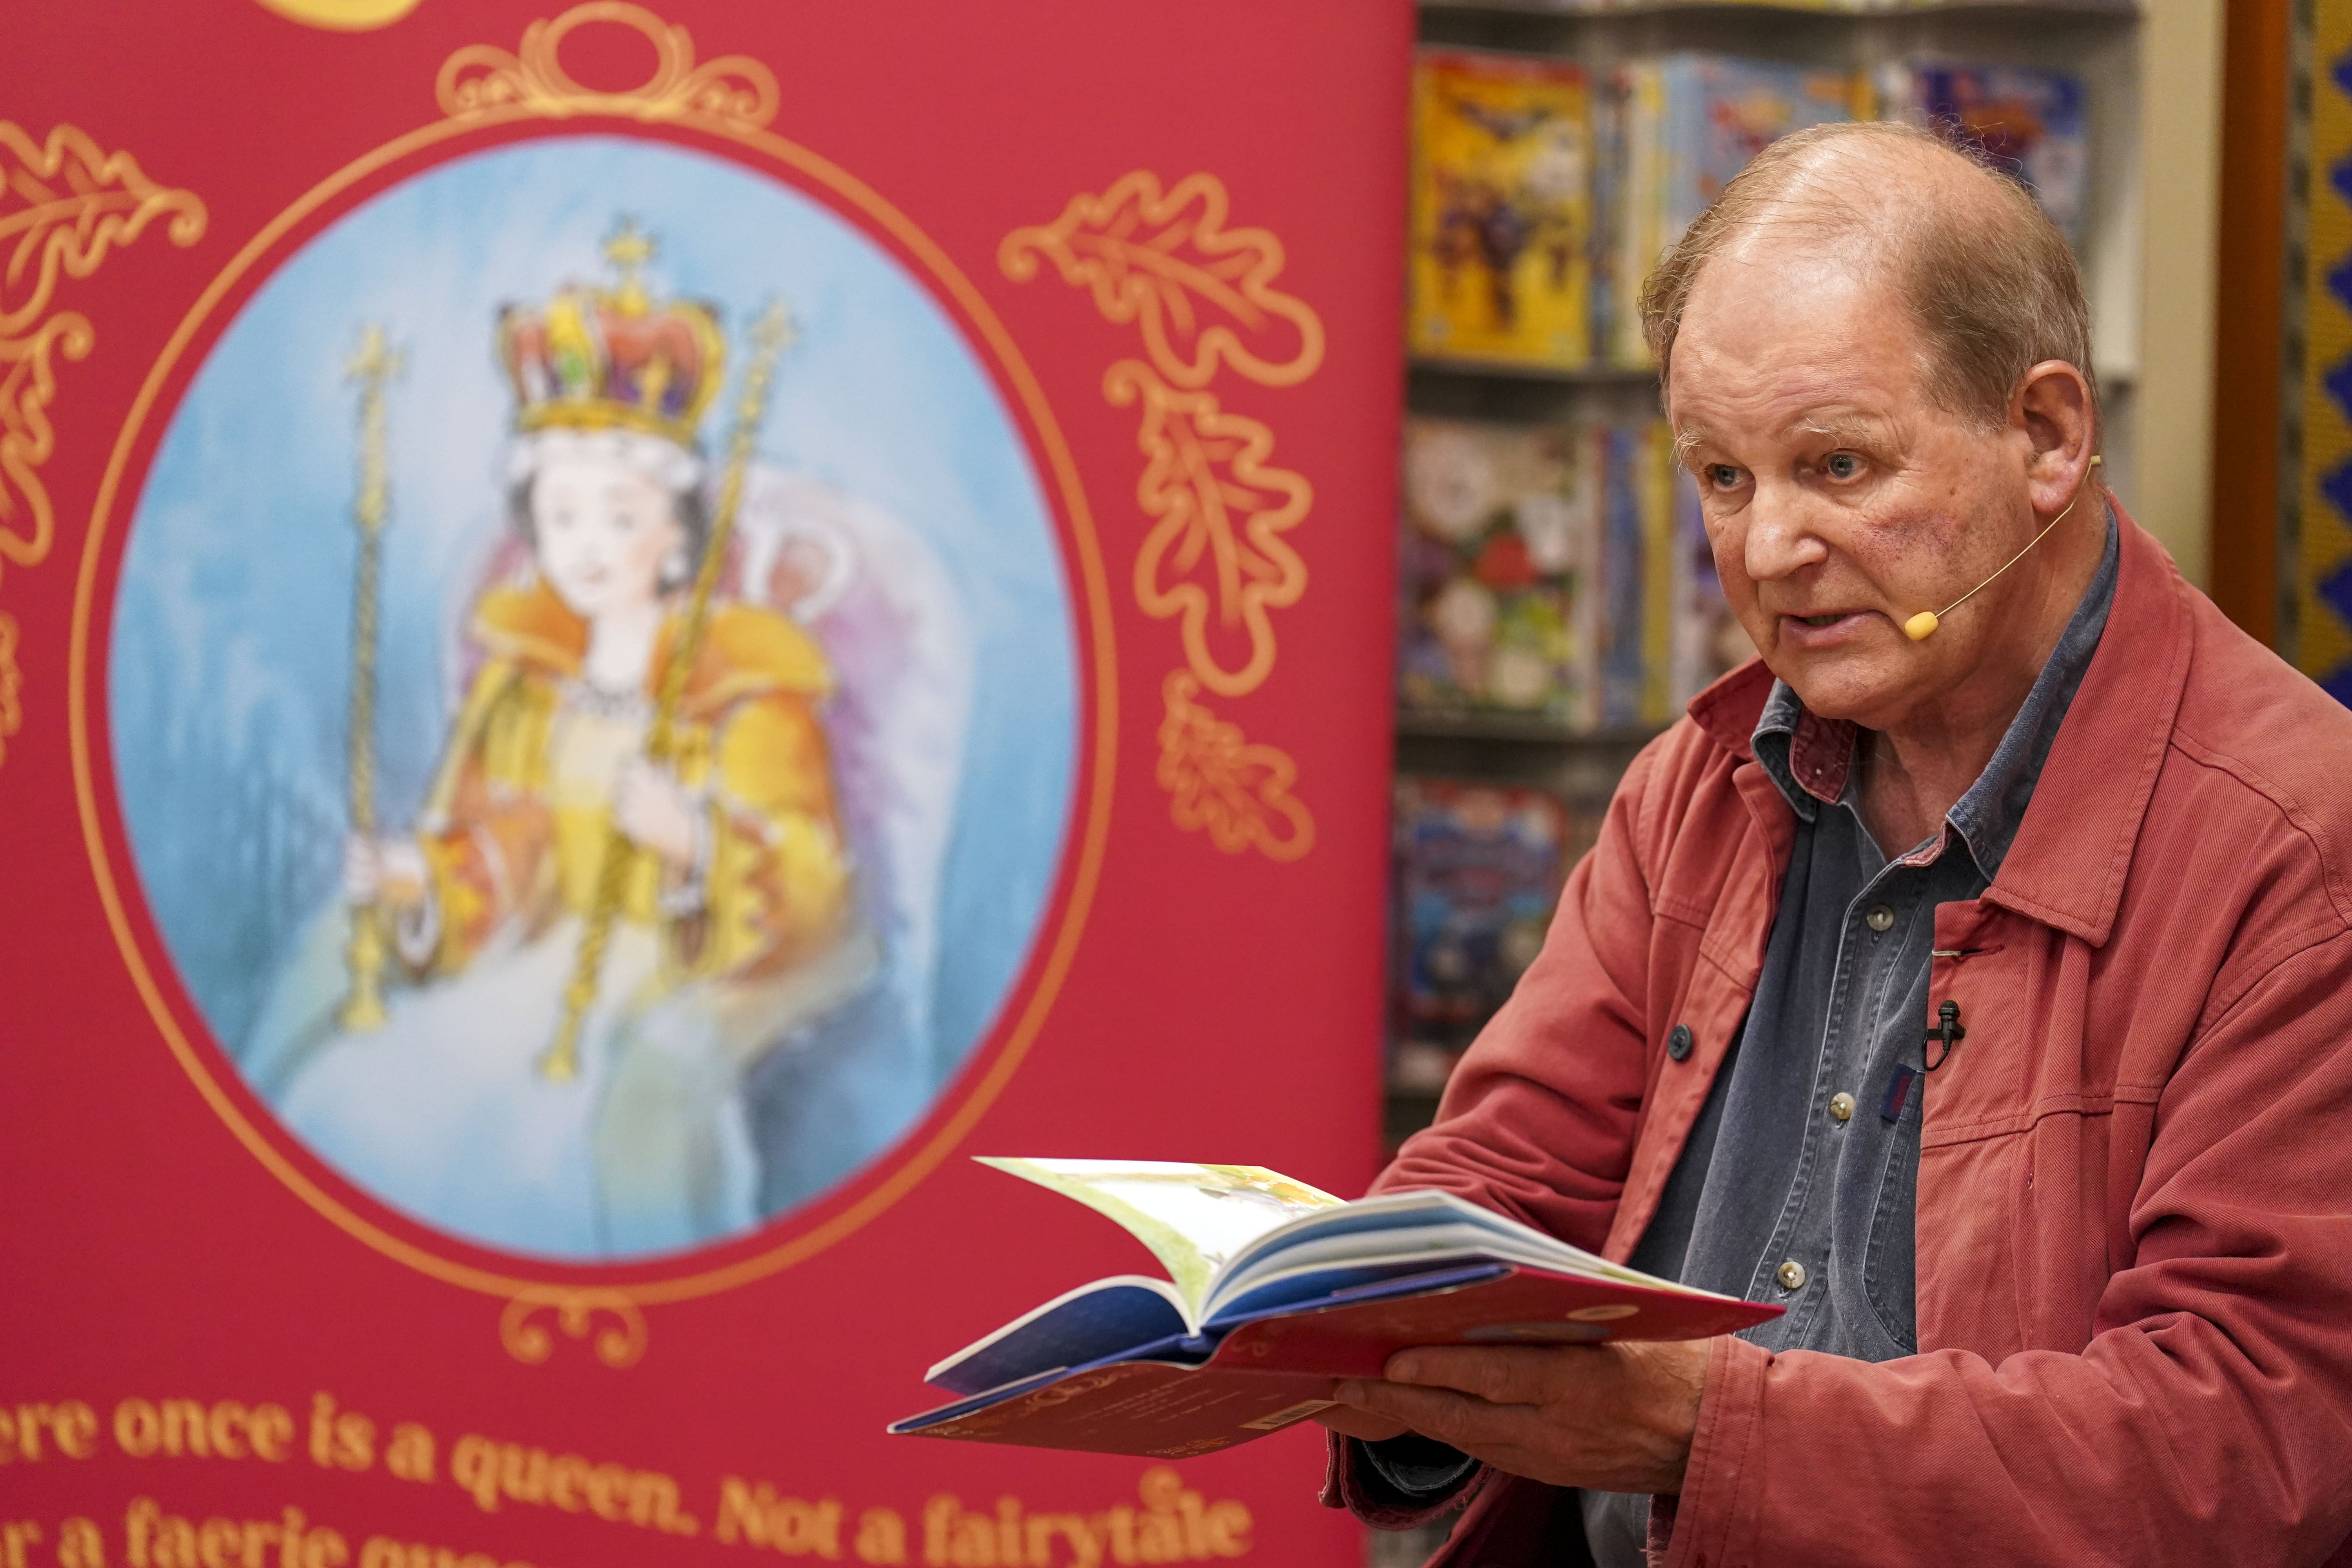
(229, 667)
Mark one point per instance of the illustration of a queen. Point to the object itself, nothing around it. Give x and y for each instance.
(545, 1074)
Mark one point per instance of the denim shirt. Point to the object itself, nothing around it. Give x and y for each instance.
(1796, 1185)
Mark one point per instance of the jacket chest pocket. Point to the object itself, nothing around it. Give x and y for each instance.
(2010, 1170)
(2012, 992)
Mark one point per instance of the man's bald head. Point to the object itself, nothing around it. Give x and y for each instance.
(1987, 279)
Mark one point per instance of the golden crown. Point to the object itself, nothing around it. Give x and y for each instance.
(602, 358)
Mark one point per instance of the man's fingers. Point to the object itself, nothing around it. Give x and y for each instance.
(1466, 1422)
(1364, 1424)
(1505, 1375)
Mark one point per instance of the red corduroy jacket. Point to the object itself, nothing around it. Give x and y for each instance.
(2135, 1203)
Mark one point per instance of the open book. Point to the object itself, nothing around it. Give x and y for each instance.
(1274, 1289)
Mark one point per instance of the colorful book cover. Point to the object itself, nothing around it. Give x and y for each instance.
(1502, 223)
(1478, 870)
(2029, 122)
(1686, 124)
(1499, 550)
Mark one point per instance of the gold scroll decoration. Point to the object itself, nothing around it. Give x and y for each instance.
(1201, 297)
(481, 80)
(619, 1344)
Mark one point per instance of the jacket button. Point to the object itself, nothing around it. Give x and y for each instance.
(1678, 1042)
(1790, 1275)
(1840, 1107)
(1879, 918)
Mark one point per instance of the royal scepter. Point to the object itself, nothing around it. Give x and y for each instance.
(375, 363)
(770, 337)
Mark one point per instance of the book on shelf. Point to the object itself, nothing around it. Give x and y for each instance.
(1502, 209)
(1558, 573)
(1544, 193)
(1478, 870)
(1675, 129)
(1274, 1291)
(2030, 122)
(1499, 570)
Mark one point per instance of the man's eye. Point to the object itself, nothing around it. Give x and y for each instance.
(1723, 475)
(1843, 465)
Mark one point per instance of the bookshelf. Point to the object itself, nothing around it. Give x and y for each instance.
(2152, 73)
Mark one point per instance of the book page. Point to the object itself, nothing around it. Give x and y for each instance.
(1192, 1217)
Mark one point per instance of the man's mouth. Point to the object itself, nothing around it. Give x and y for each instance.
(1833, 618)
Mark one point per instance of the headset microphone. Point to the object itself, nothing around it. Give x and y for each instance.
(1921, 626)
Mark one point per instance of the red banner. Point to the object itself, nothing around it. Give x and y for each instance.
(625, 633)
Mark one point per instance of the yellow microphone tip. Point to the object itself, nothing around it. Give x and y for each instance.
(1919, 627)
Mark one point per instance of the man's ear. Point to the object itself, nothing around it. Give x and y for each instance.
(2053, 409)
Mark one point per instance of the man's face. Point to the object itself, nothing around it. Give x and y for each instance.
(1840, 500)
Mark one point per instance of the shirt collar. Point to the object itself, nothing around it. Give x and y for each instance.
(1811, 759)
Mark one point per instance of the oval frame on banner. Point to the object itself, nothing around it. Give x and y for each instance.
(493, 99)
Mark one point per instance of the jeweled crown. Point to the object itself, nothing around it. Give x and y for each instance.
(602, 358)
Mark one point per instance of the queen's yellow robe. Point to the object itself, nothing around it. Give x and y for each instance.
(442, 1111)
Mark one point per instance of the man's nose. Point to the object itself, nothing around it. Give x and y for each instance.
(1781, 541)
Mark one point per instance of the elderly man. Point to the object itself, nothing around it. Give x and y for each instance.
(1976, 985)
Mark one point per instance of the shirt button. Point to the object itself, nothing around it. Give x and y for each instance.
(1879, 918)
(1841, 1107)
(1678, 1042)
(1791, 1275)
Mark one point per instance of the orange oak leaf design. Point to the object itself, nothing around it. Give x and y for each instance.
(1214, 556)
(63, 202)
(1218, 780)
(482, 82)
(1199, 292)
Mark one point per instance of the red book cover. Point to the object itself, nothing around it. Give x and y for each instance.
(1276, 1289)
(1267, 1376)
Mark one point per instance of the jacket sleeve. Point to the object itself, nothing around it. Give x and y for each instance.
(1537, 1121)
(2209, 1421)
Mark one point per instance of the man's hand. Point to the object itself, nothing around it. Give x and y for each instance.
(1350, 1422)
(1611, 1417)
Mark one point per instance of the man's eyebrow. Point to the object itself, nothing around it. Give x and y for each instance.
(1842, 426)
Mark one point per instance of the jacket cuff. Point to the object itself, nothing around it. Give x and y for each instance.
(1702, 1525)
(1352, 1481)
(1419, 1467)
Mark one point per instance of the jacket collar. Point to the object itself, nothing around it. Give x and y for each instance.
(2067, 864)
(2067, 867)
